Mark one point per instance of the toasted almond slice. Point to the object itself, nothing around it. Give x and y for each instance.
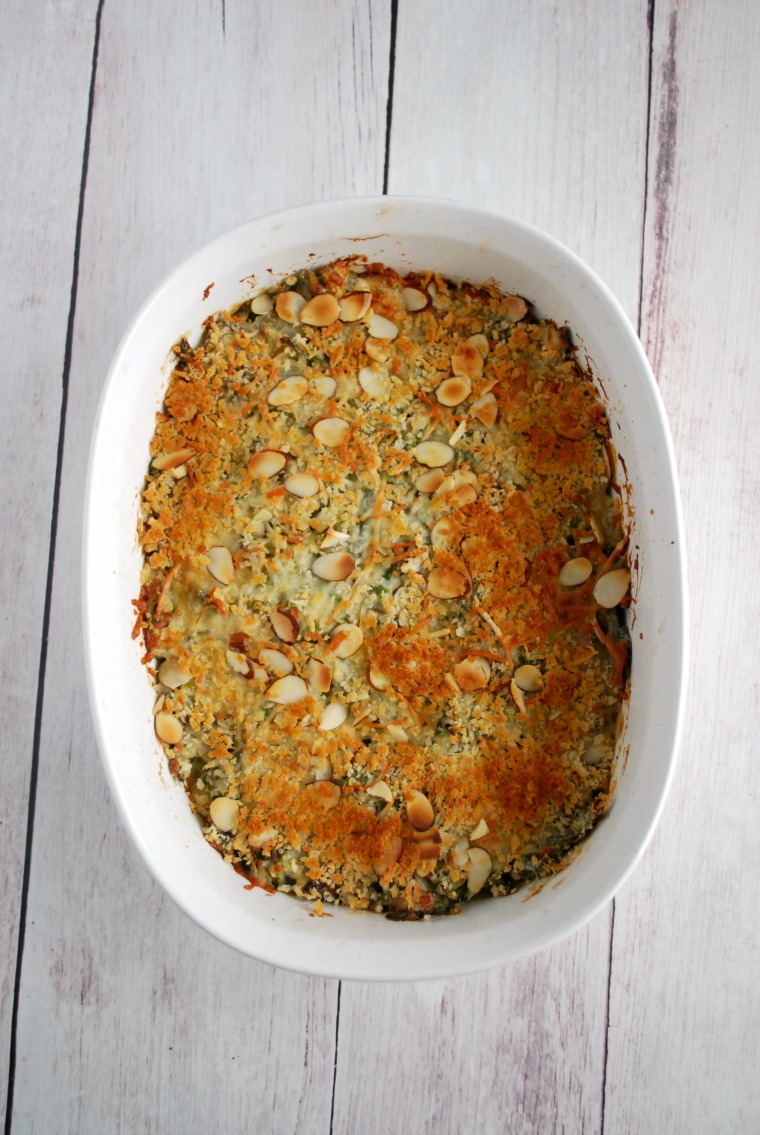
(219, 562)
(332, 716)
(286, 624)
(517, 696)
(267, 463)
(168, 729)
(346, 640)
(320, 678)
(240, 663)
(575, 572)
(529, 678)
(172, 460)
(429, 482)
(376, 382)
(473, 673)
(377, 679)
(429, 848)
(288, 391)
(326, 793)
(414, 299)
(321, 310)
(381, 328)
(486, 410)
(434, 454)
(302, 484)
(481, 829)
(453, 391)
(224, 813)
(388, 856)
(289, 306)
(447, 583)
(464, 496)
(456, 480)
(354, 306)
(275, 662)
(444, 531)
(334, 566)
(381, 790)
(159, 704)
(467, 361)
(261, 839)
(612, 588)
(334, 539)
(479, 869)
(514, 308)
(262, 304)
(419, 810)
(482, 344)
(460, 853)
(173, 674)
(458, 433)
(259, 522)
(377, 350)
(325, 385)
(321, 769)
(332, 432)
(179, 472)
(397, 733)
(287, 690)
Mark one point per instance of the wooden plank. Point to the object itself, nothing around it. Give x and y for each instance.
(503, 109)
(132, 1019)
(41, 178)
(535, 109)
(683, 1048)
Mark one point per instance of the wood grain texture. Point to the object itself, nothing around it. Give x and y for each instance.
(683, 1047)
(536, 109)
(41, 178)
(131, 1018)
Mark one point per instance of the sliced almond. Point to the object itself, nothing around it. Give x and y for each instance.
(334, 539)
(377, 679)
(447, 583)
(267, 463)
(168, 729)
(326, 793)
(286, 624)
(262, 304)
(240, 663)
(612, 588)
(275, 662)
(325, 385)
(419, 810)
(460, 853)
(259, 522)
(444, 532)
(288, 391)
(529, 678)
(453, 391)
(514, 307)
(376, 382)
(414, 299)
(481, 829)
(381, 790)
(481, 343)
(224, 813)
(219, 562)
(321, 310)
(287, 690)
(320, 678)
(434, 454)
(473, 673)
(346, 640)
(334, 567)
(354, 306)
(173, 674)
(464, 496)
(289, 306)
(456, 480)
(517, 696)
(172, 460)
(179, 472)
(479, 869)
(261, 839)
(381, 328)
(575, 572)
(332, 716)
(332, 432)
(389, 855)
(301, 484)
(467, 361)
(486, 410)
(397, 733)
(430, 848)
(429, 482)
(458, 433)
(377, 350)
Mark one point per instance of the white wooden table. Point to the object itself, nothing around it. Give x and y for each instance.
(133, 132)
